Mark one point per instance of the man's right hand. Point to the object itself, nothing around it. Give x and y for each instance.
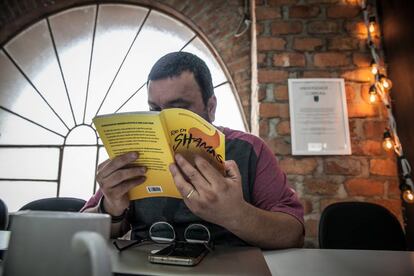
(116, 177)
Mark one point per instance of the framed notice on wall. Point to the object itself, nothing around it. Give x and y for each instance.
(318, 117)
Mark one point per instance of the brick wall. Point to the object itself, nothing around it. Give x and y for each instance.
(323, 38)
(292, 39)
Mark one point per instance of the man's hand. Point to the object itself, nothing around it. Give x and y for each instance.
(207, 193)
(116, 178)
(219, 199)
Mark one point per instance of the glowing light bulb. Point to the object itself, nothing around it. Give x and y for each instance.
(408, 196)
(374, 68)
(372, 94)
(385, 82)
(371, 25)
(387, 142)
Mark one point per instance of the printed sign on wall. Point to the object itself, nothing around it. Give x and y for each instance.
(318, 117)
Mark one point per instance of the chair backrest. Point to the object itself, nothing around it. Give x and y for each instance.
(64, 204)
(4, 215)
(360, 225)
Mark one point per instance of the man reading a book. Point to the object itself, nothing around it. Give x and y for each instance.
(251, 204)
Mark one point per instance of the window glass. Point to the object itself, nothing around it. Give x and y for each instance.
(29, 163)
(40, 65)
(57, 74)
(17, 193)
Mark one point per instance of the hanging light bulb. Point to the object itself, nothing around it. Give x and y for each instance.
(374, 67)
(371, 24)
(372, 94)
(408, 196)
(387, 142)
(385, 82)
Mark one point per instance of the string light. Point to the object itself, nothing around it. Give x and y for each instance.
(378, 89)
(372, 94)
(374, 67)
(387, 142)
(371, 25)
(408, 196)
(385, 82)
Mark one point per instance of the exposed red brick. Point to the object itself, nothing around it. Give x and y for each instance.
(269, 110)
(362, 75)
(322, 1)
(367, 147)
(259, 28)
(343, 11)
(361, 110)
(307, 205)
(323, 27)
(303, 11)
(357, 29)
(264, 12)
(281, 2)
(361, 59)
(374, 129)
(343, 166)
(281, 93)
(320, 186)
(319, 74)
(343, 43)
(307, 44)
(262, 93)
(311, 227)
(298, 166)
(279, 146)
(387, 167)
(394, 189)
(263, 128)
(265, 75)
(270, 43)
(364, 187)
(289, 60)
(283, 27)
(283, 128)
(261, 59)
(355, 129)
(331, 60)
(325, 202)
(350, 92)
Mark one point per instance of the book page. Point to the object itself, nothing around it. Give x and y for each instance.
(141, 132)
(190, 134)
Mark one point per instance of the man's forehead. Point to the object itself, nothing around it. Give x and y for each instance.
(173, 88)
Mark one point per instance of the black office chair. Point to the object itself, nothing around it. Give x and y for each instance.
(64, 204)
(360, 225)
(4, 215)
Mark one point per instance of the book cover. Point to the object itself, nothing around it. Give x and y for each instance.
(156, 136)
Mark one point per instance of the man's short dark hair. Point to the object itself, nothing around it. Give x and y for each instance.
(173, 64)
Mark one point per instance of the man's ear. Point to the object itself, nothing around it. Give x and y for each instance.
(211, 108)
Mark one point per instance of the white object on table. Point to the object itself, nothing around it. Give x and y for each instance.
(339, 262)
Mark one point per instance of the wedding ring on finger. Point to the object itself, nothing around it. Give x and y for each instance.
(190, 193)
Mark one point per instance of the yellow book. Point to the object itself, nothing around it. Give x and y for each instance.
(156, 136)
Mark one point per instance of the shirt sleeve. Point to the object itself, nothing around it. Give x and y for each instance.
(93, 201)
(271, 190)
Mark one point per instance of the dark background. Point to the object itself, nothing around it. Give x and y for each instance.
(397, 22)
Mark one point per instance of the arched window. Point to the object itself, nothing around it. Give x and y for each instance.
(59, 73)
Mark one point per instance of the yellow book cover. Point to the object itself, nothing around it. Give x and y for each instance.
(157, 136)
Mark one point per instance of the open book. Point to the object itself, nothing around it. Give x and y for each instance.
(156, 136)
